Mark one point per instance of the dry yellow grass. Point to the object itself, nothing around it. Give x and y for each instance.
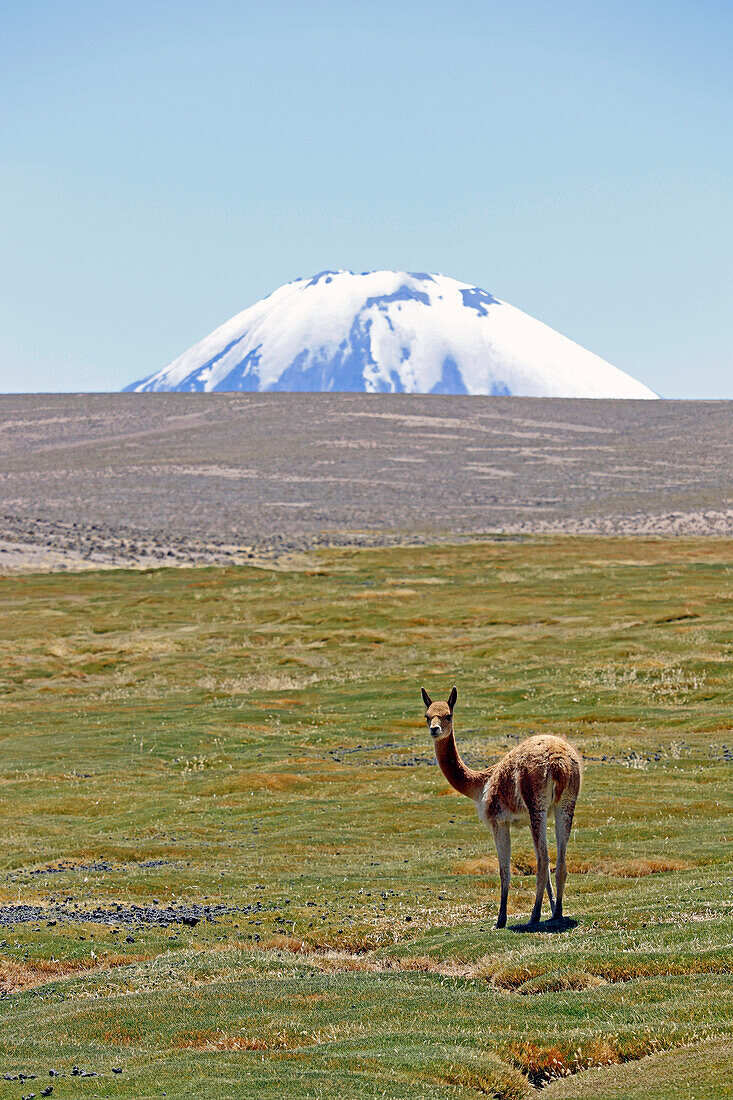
(17, 976)
(619, 868)
(210, 1041)
(542, 1062)
(627, 868)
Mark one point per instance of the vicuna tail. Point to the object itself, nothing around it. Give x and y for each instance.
(565, 770)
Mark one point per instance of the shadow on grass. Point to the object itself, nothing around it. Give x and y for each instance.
(564, 924)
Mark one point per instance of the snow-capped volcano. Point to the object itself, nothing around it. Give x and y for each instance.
(390, 332)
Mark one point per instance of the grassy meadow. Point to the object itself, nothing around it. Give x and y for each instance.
(253, 739)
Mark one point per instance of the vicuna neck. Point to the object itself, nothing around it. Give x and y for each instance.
(464, 779)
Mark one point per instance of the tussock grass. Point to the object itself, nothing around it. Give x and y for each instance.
(212, 1041)
(483, 1073)
(701, 1070)
(253, 739)
(18, 976)
(626, 868)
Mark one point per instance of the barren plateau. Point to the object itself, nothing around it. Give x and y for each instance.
(143, 480)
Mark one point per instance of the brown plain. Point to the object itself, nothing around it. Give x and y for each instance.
(92, 480)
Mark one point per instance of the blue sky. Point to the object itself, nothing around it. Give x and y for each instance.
(164, 165)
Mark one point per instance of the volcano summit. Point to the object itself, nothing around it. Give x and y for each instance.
(390, 332)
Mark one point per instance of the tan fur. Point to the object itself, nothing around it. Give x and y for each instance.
(541, 774)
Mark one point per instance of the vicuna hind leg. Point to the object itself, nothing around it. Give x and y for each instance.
(538, 825)
(503, 842)
(550, 898)
(563, 824)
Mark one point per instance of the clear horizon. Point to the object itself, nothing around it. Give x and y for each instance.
(165, 168)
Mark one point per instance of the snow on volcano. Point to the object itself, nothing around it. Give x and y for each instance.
(390, 332)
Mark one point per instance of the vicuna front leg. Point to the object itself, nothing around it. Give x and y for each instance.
(503, 842)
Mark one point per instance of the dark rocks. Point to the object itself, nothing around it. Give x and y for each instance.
(135, 915)
(100, 866)
(375, 756)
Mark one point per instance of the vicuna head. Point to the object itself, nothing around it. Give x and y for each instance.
(439, 716)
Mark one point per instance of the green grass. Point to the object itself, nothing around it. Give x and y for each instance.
(255, 737)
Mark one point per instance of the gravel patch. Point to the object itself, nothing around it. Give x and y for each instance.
(133, 915)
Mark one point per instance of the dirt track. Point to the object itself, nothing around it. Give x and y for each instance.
(130, 479)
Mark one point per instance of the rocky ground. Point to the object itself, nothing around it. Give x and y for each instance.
(177, 479)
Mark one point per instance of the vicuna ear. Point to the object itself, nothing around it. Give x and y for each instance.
(452, 698)
(426, 698)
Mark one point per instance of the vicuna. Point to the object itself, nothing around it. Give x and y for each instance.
(539, 775)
